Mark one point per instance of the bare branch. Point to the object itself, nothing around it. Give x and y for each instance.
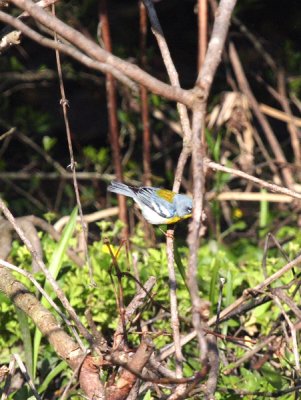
(26, 376)
(245, 88)
(264, 184)
(49, 277)
(95, 52)
(216, 45)
(66, 49)
(203, 86)
(182, 110)
(61, 342)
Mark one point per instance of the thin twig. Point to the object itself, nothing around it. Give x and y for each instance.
(269, 395)
(37, 285)
(66, 49)
(74, 374)
(11, 373)
(26, 139)
(246, 89)
(7, 133)
(26, 376)
(144, 98)
(182, 110)
(292, 128)
(94, 51)
(175, 323)
(270, 186)
(203, 34)
(170, 67)
(64, 103)
(112, 114)
(47, 297)
(275, 296)
(60, 294)
(250, 354)
(280, 115)
(256, 43)
(23, 175)
(132, 307)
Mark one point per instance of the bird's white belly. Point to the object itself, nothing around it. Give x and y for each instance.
(151, 216)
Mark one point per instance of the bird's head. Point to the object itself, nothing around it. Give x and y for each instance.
(183, 205)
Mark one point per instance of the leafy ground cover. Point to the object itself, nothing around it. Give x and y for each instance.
(238, 265)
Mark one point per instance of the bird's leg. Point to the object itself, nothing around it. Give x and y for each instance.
(169, 233)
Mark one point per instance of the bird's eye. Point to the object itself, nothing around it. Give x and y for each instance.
(189, 210)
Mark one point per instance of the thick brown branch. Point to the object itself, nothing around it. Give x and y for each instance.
(123, 385)
(48, 275)
(61, 342)
(216, 45)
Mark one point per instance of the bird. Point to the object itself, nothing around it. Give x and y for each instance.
(158, 206)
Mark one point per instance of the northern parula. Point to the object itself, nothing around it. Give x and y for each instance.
(158, 206)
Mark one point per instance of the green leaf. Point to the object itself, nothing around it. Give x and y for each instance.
(60, 250)
(54, 268)
(147, 395)
(237, 226)
(228, 299)
(48, 142)
(53, 373)
(217, 147)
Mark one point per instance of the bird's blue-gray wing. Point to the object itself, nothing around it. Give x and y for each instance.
(148, 196)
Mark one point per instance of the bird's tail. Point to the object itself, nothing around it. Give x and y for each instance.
(121, 188)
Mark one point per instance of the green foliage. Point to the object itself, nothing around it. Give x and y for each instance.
(239, 264)
(98, 157)
(28, 120)
(15, 64)
(48, 143)
(55, 265)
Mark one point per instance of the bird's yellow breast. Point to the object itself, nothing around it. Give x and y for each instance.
(174, 220)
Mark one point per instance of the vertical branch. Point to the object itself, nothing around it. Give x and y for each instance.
(175, 323)
(182, 160)
(202, 30)
(144, 100)
(208, 349)
(112, 110)
(198, 305)
(182, 110)
(64, 104)
(174, 79)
